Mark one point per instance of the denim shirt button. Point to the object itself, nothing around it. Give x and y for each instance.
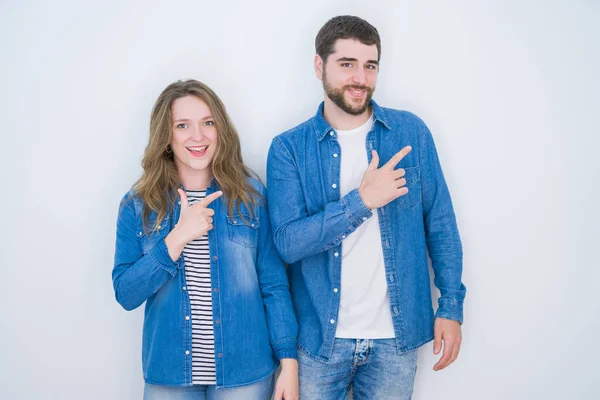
(331, 133)
(184, 288)
(332, 321)
(335, 155)
(187, 352)
(187, 317)
(218, 321)
(220, 355)
(336, 254)
(216, 290)
(364, 218)
(335, 290)
(214, 258)
(334, 186)
(396, 310)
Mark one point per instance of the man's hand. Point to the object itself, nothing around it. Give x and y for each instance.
(287, 382)
(379, 186)
(449, 332)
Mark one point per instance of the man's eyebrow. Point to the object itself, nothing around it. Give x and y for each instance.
(354, 59)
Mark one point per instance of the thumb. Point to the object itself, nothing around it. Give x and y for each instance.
(278, 393)
(374, 164)
(437, 341)
(183, 198)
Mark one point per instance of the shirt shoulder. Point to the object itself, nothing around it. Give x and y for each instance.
(257, 185)
(130, 209)
(298, 133)
(403, 118)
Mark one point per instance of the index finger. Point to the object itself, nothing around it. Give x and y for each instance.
(210, 198)
(455, 352)
(443, 362)
(398, 157)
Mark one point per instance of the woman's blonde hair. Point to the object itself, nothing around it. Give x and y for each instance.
(158, 185)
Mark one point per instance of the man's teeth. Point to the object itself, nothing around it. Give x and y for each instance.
(198, 148)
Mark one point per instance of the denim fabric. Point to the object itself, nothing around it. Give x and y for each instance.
(257, 391)
(253, 318)
(372, 368)
(310, 222)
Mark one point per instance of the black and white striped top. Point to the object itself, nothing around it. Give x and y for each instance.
(197, 275)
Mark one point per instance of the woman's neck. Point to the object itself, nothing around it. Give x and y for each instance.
(194, 179)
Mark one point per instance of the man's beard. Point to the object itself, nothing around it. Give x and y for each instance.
(337, 97)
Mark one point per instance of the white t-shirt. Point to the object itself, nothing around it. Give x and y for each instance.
(364, 303)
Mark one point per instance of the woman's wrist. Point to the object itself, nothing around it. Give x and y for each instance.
(174, 244)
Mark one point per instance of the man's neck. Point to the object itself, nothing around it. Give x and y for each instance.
(341, 120)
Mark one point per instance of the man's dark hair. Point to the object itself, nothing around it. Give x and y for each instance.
(346, 27)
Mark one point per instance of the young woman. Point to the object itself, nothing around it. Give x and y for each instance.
(194, 242)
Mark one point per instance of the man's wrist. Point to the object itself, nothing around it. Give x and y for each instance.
(289, 363)
(362, 197)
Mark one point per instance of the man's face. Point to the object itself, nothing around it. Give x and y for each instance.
(350, 74)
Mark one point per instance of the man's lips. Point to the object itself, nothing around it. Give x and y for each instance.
(358, 93)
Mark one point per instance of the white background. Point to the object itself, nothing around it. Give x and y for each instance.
(510, 90)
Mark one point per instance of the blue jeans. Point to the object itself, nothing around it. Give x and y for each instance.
(262, 390)
(372, 368)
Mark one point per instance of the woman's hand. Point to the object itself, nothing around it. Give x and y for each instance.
(194, 222)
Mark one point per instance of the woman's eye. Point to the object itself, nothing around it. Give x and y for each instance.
(209, 123)
(181, 126)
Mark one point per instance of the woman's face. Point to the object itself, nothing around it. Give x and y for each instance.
(194, 139)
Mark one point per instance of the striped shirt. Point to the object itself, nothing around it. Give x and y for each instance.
(197, 275)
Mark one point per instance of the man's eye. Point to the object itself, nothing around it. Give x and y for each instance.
(346, 65)
(372, 67)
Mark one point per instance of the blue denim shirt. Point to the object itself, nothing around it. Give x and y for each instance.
(253, 316)
(310, 222)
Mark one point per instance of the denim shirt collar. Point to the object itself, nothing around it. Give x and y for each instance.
(321, 126)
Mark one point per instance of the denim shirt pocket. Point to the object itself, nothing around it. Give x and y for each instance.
(148, 237)
(413, 182)
(244, 230)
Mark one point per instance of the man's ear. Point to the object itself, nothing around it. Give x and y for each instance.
(319, 65)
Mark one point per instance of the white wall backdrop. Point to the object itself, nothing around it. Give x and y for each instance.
(509, 89)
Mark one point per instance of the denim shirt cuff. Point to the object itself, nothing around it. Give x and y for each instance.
(287, 353)
(355, 208)
(450, 310)
(161, 254)
(286, 348)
